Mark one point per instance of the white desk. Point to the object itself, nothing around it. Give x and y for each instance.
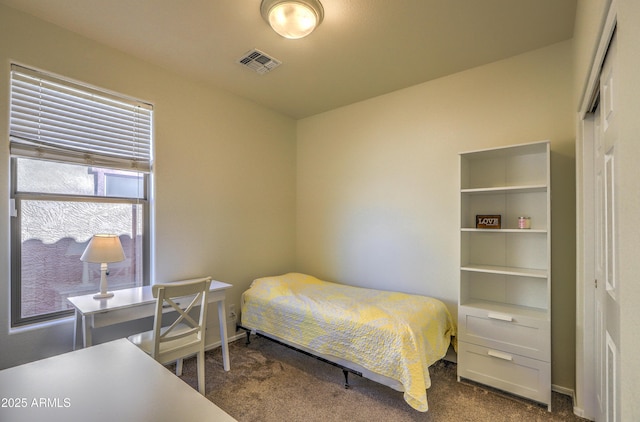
(114, 381)
(136, 303)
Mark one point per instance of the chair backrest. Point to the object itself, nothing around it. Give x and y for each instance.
(181, 297)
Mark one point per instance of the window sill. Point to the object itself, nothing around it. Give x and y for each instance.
(42, 325)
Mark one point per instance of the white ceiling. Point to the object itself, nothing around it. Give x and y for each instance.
(362, 49)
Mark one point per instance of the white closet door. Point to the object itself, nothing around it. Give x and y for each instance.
(607, 308)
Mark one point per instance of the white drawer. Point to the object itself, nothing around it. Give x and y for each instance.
(524, 336)
(516, 374)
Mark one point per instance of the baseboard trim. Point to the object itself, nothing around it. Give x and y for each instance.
(571, 393)
(230, 339)
(237, 336)
(578, 412)
(564, 390)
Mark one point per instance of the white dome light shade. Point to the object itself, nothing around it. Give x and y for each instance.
(292, 19)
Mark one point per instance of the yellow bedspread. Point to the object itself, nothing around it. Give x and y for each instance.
(392, 334)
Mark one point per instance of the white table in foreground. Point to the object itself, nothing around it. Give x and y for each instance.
(136, 303)
(114, 381)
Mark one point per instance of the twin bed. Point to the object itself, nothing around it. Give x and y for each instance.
(389, 337)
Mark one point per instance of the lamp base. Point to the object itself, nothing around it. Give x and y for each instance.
(103, 295)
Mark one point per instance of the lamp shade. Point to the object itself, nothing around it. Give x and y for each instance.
(103, 248)
(292, 18)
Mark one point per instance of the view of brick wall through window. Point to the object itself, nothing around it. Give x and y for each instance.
(55, 232)
(52, 272)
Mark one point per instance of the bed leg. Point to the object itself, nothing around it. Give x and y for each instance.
(248, 340)
(346, 378)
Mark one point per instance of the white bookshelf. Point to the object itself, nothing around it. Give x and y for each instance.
(504, 312)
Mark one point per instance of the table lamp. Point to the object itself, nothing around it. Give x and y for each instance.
(103, 249)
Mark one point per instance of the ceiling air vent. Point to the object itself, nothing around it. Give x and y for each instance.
(259, 61)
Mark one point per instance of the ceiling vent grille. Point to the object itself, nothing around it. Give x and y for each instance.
(259, 61)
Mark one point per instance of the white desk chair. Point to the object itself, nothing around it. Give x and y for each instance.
(185, 336)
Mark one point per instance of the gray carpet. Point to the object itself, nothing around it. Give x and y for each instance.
(269, 382)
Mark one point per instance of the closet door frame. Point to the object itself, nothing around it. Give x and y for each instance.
(586, 403)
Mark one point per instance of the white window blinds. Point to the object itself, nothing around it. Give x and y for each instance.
(55, 119)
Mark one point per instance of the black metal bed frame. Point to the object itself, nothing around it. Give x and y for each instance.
(345, 370)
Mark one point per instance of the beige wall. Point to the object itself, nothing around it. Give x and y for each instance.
(378, 180)
(224, 198)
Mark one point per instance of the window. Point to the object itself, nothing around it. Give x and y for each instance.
(80, 165)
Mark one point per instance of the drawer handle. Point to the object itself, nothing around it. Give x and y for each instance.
(500, 355)
(501, 317)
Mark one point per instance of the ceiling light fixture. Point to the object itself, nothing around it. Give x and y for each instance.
(292, 19)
